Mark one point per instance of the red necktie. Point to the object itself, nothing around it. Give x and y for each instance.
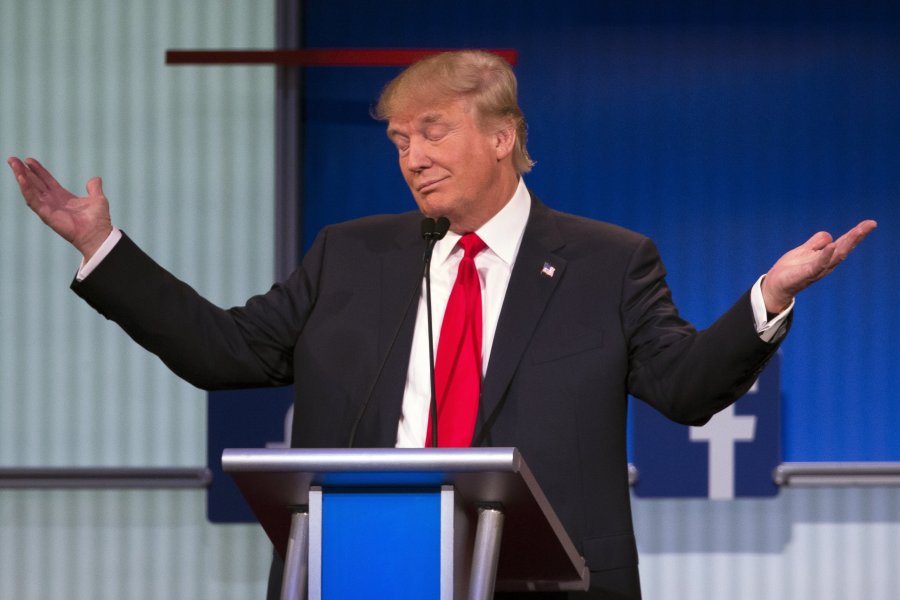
(457, 368)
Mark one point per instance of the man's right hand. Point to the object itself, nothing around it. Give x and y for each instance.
(83, 221)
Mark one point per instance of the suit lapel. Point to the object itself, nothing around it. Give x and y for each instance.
(530, 287)
(401, 268)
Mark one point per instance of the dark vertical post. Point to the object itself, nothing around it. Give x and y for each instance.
(288, 142)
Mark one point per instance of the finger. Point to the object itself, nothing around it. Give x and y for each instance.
(15, 164)
(852, 238)
(826, 261)
(31, 178)
(18, 167)
(29, 185)
(818, 241)
(46, 178)
(94, 186)
(864, 228)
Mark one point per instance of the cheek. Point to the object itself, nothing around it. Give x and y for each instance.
(421, 202)
(406, 173)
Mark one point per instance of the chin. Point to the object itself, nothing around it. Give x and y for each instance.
(431, 209)
(436, 205)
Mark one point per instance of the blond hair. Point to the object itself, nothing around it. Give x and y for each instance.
(485, 80)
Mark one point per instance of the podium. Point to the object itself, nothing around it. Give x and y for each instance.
(445, 523)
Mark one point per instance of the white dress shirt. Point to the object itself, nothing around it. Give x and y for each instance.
(503, 236)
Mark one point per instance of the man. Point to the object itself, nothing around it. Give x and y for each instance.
(551, 319)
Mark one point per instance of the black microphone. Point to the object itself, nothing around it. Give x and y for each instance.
(428, 225)
(431, 232)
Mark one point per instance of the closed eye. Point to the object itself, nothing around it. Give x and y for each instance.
(401, 142)
(436, 133)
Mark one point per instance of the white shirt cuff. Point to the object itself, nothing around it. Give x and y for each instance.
(108, 244)
(769, 331)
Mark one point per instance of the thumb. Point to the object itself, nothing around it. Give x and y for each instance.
(818, 241)
(95, 186)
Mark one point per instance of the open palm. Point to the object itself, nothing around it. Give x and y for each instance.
(807, 263)
(82, 220)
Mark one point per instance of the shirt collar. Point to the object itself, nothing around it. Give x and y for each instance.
(502, 233)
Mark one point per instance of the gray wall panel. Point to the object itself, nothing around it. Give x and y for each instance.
(186, 155)
(110, 545)
(814, 543)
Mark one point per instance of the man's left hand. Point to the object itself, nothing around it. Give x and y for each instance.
(808, 263)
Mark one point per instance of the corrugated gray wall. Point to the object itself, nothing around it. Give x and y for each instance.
(186, 155)
(186, 158)
(806, 543)
(116, 545)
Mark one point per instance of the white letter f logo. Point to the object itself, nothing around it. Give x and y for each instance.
(722, 431)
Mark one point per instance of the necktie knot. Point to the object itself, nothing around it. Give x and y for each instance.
(471, 245)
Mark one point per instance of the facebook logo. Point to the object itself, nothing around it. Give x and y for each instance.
(733, 455)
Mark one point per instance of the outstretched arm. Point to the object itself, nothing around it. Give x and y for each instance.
(83, 221)
(808, 263)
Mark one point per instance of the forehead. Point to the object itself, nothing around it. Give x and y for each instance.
(415, 116)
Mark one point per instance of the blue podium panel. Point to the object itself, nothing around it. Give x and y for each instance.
(381, 544)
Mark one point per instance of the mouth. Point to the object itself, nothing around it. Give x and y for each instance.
(427, 186)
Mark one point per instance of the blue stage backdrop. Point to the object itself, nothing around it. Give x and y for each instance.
(727, 131)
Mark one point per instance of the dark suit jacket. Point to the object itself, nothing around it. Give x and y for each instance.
(567, 351)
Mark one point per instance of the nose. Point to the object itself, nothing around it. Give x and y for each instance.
(417, 158)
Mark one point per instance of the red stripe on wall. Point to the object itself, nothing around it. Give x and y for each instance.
(316, 57)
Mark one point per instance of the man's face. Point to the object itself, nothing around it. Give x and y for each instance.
(452, 167)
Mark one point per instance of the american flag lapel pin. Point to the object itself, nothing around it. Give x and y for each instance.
(548, 270)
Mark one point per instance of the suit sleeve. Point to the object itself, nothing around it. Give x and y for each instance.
(210, 347)
(687, 375)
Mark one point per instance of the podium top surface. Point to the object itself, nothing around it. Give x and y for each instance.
(283, 477)
(372, 460)
(277, 481)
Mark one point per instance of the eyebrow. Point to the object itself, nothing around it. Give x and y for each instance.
(426, 119)
(433, 117)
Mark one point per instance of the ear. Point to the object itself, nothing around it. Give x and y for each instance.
(505, 140)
